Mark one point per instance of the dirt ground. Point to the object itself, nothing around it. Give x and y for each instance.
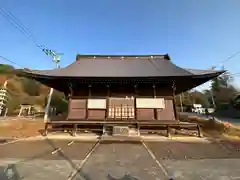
(214, 129)
(20, 128)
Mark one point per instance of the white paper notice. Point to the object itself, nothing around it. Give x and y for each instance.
(157, 103)
(96, 103)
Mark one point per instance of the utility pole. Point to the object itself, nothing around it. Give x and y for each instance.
(56, 60)
(211, 91)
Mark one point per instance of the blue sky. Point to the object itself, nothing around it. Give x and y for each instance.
(196, 34)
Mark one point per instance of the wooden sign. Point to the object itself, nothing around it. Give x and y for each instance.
(157, 103)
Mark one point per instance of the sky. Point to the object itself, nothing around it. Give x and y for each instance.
(196, 34)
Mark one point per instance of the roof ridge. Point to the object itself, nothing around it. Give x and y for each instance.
(165, 56)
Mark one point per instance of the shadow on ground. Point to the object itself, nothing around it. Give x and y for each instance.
(84, 176)
(125, 177)
(9, 173)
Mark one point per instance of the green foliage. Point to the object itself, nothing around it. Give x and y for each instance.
(27, 91)
(6, 69)
(222, 107)
(190, 98)
(59, 102)
(222, 90)
(223, 81)
(31, 87)
(236, 101)
(13, 104)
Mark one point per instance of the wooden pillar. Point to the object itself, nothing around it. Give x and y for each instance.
(107, 109)
(89, 91)
(154, 91)
(135, 101)
(71, 89)
(174, 102)
(89, 96)
(107, 102)
(108, 91)
(154, 95)
(135, 109)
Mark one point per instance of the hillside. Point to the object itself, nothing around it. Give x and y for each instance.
(26, 91)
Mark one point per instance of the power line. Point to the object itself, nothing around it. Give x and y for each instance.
(230, 57)
(23, 26)
(18, 25)
(12, 62)
(26, 32)
(226, 60)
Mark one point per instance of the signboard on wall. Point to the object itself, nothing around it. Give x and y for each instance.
(96, 103)
(157, 103)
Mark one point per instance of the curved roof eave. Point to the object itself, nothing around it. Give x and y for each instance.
(194, 74)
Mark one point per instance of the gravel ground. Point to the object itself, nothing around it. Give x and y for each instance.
(205, 169)
(120, 161)
(41, 160)
(203, 161)
(186, 151)
(49, 159)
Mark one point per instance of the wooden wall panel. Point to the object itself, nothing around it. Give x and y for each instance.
(76, 109)
(145, 114)
(77, 114)
(167, 113)
(96, 114)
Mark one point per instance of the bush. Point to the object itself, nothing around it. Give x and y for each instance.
(31, 87)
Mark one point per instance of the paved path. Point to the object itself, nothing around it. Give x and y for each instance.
(62, 160)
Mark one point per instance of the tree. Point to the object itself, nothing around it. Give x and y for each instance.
(236, 101)
(59, 102)
(222, 89)
(223, 81)
(200, 98)
(190, 98)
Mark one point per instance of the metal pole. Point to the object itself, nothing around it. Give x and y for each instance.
(51, 92)
(48, 105)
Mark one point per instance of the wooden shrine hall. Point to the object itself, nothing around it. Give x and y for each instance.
(130, 91)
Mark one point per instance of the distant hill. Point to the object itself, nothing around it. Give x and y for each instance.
(26, 91)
